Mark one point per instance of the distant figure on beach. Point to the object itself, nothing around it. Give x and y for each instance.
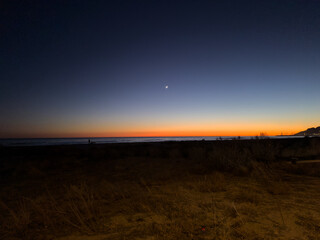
(89, 141)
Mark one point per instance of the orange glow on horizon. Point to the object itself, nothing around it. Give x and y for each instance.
(189, 133)
(156, 130)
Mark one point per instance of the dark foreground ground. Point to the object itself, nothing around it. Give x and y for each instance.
(243, 189)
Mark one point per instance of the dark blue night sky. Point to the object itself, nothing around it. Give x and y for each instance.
(99, 68)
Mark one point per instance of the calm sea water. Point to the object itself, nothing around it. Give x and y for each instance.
(69, 141)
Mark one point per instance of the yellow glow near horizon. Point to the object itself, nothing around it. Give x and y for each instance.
(165, 130)
(164, 127)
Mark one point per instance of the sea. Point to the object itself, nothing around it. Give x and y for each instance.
(103, 140)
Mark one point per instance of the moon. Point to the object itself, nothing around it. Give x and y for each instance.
(166, 87)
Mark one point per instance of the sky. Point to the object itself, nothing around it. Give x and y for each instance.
(100, 68)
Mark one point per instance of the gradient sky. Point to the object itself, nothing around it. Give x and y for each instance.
(99, 68)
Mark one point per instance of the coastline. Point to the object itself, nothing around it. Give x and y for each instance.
(103, 140)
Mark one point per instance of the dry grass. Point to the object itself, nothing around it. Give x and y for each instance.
(214, 182)
(17, 220)
(230, 190)
(310, 169)
(311, 224)
(248, 195)
(79, 209)
(82, 209)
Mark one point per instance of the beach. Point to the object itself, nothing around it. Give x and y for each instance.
(228, 189)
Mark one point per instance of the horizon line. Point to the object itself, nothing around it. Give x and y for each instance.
(266, 135)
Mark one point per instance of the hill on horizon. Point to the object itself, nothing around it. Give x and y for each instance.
(309, 132)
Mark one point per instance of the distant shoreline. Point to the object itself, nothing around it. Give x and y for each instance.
(286, 135)
(28, 142)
